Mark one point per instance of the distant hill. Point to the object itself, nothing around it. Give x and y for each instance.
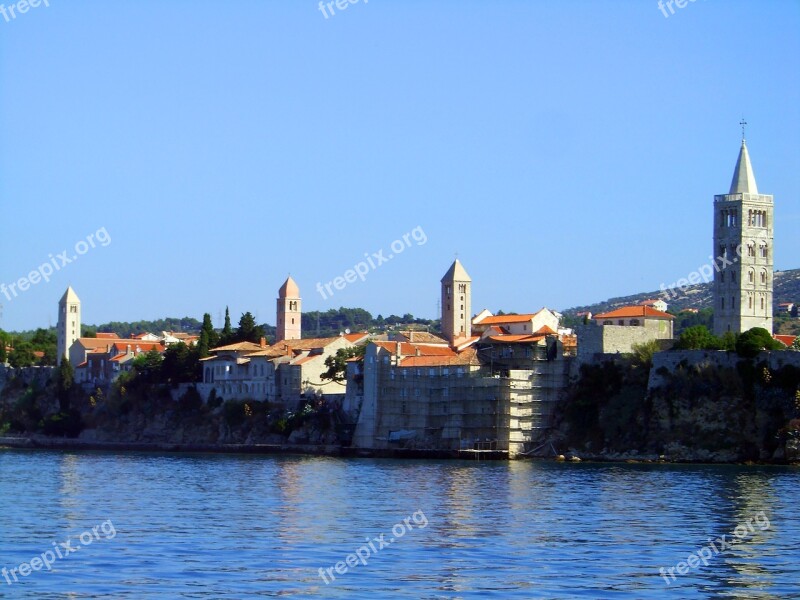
(786, 289)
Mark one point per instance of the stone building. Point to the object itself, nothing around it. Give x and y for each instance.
(618, 331)
(492, 392)
(743, 235)
(282, 373)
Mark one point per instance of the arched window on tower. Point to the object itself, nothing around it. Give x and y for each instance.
(750, 276)
(762, 303)
(763, 278)
(763, 249)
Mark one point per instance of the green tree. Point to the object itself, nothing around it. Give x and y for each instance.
(181, 364)
(226, 336)
(795, 344)
(728, 341)
(337, 364)
(148, 362)
(754, 340)
(22, 355)
(3, 342)
(697, 337)
(65, 380)
(248, 330)
(643, 353)
(208, 337)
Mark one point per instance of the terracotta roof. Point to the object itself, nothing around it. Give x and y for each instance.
(93, 343)
(421, 337)
(628, 312)
(135, 345)
(544, 330)
(408, 349)
(239, 347)
(516, 339)
(306, 344)
(502, 319)
(355, 337)
(106, 335)
(466, 357)
(786, 339)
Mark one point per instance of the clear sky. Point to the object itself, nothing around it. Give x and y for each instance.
(566, 151)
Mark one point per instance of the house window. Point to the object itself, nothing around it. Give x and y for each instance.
(634, 321)
(621, 322)
(607, 323)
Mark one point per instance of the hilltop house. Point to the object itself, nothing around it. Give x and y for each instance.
(619, 330)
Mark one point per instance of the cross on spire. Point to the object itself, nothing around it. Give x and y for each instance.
(743, 123)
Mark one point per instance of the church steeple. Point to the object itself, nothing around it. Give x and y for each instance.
(289, 313)
(743, 238)
(744, 182)
(456, 303)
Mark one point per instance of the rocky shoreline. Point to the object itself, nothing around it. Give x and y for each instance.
(38, 442)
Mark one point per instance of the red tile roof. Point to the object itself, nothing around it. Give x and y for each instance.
(105, 335)
(407, 349)
(466, 357)
(503, 319)
(355, 337)
(516, 339)
(632, 312)
(786, 339)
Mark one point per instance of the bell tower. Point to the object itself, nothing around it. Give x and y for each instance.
(289, 314)
(743, 235)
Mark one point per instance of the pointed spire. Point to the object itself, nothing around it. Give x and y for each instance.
(289, 289)
(744, 182)
(69, 296)
(456, 272)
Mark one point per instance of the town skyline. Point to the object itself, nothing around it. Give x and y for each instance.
(593, 190)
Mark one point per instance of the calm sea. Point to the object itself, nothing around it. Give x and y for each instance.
(201, 526)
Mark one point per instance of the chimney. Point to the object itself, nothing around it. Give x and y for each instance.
(398, 349)
(263, 342)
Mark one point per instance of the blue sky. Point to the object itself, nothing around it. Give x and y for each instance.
(567, 151)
